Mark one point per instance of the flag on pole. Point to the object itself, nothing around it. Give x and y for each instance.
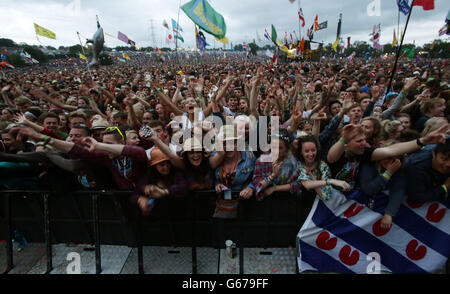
(82, 56)
(311, 32)
(426, 4)
(348, 42)
(266, 35)
(166, 25)
(302, 45)
(124, 55)
(44, 32)
(395, 41)
(316, 23)
(176, 27)
(201, 41)
(403, 6)
(350, 58)
(302, 18)
(204, 15)
(274, 35)
(323, 25)
(122, 37)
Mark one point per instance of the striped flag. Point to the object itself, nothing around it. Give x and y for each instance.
(122, 37)
(267, 35)
(302, 18)
(344, 235)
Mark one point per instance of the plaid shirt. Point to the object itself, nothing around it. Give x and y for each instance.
(289, 172)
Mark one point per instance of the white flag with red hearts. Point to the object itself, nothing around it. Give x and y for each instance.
(344, 235)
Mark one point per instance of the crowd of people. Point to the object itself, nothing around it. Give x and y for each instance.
(142, 126)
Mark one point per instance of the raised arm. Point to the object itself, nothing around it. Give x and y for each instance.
(409, 147)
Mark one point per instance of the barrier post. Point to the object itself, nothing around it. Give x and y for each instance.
(241, 238)
(139, 244)
(9, 245)
(194, 228)
(48, 241)
(98, 261)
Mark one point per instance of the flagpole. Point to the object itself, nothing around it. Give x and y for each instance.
(176, 39)
(82, 49)
(399, 49)
(299, 25)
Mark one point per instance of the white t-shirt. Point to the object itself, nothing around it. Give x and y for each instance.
(172, 148)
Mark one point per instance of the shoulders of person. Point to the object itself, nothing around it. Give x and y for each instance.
(421, 159)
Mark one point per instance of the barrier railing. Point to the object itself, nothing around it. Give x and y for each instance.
(55, 215)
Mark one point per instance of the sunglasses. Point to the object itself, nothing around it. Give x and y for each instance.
(112, 129)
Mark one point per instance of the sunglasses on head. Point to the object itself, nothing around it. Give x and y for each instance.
(112, 129)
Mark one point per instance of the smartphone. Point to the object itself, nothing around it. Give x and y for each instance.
(227, 195)
(147, 131)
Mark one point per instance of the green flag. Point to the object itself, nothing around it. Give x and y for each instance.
(179, 37)
(201, 13)
(410, 52)
(274, 35)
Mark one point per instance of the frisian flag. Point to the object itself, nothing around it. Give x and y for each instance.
(122, 37)
(344, 235)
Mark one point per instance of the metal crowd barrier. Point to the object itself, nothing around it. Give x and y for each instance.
(50, 216)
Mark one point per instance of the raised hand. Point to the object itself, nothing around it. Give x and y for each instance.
(349, 132)
(435, 137)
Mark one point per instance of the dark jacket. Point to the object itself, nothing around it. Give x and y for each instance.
(424, 184)
(372, 183)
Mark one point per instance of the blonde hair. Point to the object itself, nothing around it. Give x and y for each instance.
(433, 124)
(389, 127)
(427, 106)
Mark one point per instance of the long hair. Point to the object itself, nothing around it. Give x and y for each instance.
(198, 172)
(308, 139)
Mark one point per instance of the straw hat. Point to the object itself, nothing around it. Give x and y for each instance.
(228, 133)
(192, 144)
(157, 156)
(100, 124)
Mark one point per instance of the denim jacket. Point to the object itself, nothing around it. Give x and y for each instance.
(244, 171)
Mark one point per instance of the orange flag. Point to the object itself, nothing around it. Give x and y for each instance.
(316, 23)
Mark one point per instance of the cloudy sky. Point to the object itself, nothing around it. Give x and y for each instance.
(244, 19)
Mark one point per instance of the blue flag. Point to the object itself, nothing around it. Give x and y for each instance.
(201, 41)
(403, 6)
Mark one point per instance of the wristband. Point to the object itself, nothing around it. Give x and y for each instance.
(268, 181)
(420, 143)
(445, 189)
(342, 141)
(202, 100)
(386, 175)
(46, 139)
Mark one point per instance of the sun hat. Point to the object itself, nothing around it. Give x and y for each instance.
(157, 156)
(100, 124)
